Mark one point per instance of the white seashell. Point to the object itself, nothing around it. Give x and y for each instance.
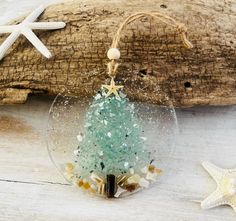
(76, 152)
(133, 179)
(144, 183)
(26, 28)
(151, 176)
(79, 137)
(232, 191)
(119, 192)
(224, 194)
(144, 170)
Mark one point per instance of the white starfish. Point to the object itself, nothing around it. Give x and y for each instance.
(25, 28)
(225, 194)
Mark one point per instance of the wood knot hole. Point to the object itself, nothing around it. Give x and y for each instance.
(163, 6)
(142, 72)
(188, 86)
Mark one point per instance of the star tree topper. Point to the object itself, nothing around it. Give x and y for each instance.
(25, 28)
(225, 194)
(112, 88)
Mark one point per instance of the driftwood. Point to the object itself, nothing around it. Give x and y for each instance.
(154, 62)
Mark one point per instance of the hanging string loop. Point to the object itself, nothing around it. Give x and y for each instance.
(114, 54)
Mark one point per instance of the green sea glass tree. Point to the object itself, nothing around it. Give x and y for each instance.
(112, 142)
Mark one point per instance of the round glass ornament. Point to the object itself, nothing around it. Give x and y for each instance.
(108, 145)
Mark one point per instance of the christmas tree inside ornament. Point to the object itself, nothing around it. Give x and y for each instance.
(108, 145)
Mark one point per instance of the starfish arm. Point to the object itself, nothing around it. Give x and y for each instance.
(115, 93)
(216, 172)
(119, 87)
(35, 14)
(36, 42)
(108, 93)
(7, 28)
(106, 86)
(233, 206)
(47, 25)
(8, 43)
(215, 199)
(232, 171)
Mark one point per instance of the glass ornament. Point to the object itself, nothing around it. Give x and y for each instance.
(108, 145)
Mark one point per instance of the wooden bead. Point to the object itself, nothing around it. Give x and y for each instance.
(113, 54)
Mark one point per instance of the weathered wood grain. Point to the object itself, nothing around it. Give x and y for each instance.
(154, 61)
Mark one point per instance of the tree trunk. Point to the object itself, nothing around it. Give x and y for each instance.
(154, 63)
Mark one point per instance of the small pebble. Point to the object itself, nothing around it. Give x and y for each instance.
(69, 167)
(132, 187)
(153, 169)
(126, 165)
(76, 152)
(80, 183)
(131, 170)
(143, 138)
(98, 96)
(79, 138)
(86, 185)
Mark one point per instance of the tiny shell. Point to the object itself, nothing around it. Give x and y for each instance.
(69, 176)
(119, 192)
(144, 170)
(153, 169)
(151, 176)
(121, 180)
(133, 179)
(69, 167)
(98, 180)
(101, 189)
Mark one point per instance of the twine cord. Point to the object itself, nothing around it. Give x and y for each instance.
(180, 27)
